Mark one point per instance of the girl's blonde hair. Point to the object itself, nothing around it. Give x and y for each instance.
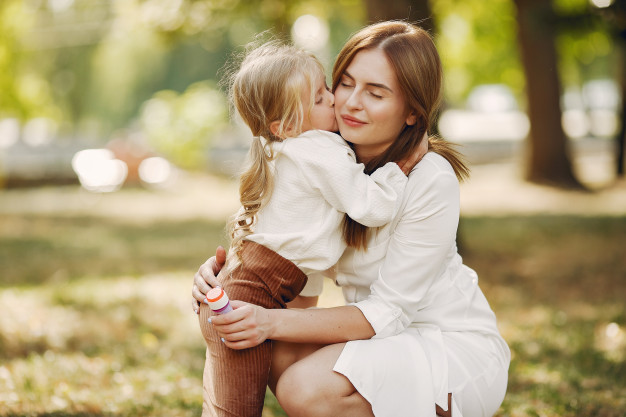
(414, 58)
(267, 87)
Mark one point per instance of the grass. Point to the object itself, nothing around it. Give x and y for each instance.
(95, 316)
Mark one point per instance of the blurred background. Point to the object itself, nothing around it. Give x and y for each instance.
(118, 162)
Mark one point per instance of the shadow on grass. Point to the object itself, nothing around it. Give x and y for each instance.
(35, 250)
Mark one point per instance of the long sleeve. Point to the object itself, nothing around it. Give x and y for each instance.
(328, 164)
(418, 252)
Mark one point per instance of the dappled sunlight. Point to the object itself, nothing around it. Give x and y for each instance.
(610, 338)
(71, 346)
(97, 338)
(128, 346)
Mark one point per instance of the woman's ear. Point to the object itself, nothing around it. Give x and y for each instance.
(411, 119)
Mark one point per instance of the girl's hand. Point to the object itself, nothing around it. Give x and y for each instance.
(248, 325)
(407, 164)
(206, 278)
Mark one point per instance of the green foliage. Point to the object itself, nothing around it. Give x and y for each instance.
(476, 42)
(586, 43)
(25, 91)
(181, 126)
(94, 66)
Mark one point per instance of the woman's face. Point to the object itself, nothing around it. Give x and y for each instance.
(370, 105)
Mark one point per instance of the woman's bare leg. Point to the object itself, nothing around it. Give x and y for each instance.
(285, 354)
(310, 388)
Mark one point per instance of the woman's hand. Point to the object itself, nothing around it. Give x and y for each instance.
(248, 325)
(206, 278)
(408, 163)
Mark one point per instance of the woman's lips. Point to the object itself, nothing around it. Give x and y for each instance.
(351, 121)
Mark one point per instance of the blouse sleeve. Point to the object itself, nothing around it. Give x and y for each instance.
(331, 168)
(417, 252)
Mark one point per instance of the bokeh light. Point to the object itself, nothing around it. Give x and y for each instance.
(310, 32)
(155, 171)
(98, 170)
(601, 3)
(9, 132)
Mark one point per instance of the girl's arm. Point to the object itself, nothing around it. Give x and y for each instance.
(329, 166)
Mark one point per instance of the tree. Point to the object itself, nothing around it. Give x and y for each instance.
(616, 16)
(548, 153)
(417, 11)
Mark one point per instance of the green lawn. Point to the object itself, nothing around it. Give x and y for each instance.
(95, 316)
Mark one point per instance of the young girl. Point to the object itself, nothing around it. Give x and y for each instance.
(300, 183)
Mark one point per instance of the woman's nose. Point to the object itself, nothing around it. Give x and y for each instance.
(353, 101)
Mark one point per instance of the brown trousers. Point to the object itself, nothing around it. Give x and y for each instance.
(235, 381)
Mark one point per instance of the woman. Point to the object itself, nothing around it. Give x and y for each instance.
(417, 336)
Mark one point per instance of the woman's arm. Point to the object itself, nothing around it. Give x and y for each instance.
(249, 325)
(303, 302)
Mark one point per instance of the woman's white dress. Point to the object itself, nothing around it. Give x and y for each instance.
(435, 331)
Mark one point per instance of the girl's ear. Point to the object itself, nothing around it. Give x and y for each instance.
(411, 119)
(274, 127)
(288, 131)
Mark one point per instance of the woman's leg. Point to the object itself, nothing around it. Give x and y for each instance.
(310, 387)
(285, 354)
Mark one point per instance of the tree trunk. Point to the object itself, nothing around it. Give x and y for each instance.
(621, 136)
(548, 153)
(416, 11)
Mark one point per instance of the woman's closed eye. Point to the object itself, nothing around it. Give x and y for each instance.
(346, 83)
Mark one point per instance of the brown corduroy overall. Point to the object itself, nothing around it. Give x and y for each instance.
(235, 381)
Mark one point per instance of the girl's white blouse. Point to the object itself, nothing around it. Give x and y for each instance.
(316, 181)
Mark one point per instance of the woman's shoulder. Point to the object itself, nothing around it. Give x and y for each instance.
(431, 164)
(433, 172)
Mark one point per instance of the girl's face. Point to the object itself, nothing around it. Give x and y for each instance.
(322, 115)
(370, 105)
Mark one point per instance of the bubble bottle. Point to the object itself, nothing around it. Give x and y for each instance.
(218, 301)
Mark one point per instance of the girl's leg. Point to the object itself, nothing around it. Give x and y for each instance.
(310, 387)
(235, 381)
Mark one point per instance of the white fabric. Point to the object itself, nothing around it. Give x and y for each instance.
(411, 284)
(316, 181)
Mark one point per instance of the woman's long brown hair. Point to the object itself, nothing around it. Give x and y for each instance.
(414, 58)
